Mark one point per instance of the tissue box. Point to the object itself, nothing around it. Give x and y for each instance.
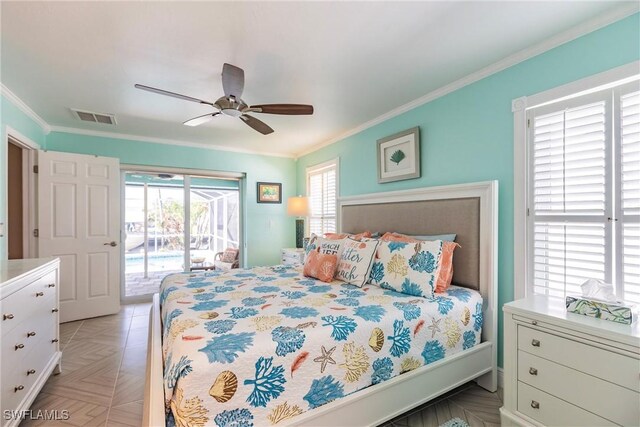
(613, 311)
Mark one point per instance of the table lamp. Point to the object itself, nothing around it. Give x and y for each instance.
(298, 206)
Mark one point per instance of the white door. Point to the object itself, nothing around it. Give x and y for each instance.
(79, 222)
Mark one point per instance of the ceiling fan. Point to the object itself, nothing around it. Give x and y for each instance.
(232, 105)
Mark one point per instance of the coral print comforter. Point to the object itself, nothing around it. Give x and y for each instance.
(260, 346)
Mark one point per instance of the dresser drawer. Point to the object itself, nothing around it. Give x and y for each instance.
(19, 306)
(607, 365)
(551, 411)
(622, 405)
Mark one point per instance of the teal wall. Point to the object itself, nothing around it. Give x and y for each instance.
(467, 135)
(268, 228)
(13, 117)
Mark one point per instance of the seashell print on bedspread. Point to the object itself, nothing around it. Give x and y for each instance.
(260, 346)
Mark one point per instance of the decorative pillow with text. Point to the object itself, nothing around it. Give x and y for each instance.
(356, 260)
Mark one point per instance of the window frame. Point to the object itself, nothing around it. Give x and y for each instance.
(314, 169)
(616, 77)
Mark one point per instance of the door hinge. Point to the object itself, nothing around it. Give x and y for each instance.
(528, 212)
(36, 232)
(35, 168)
(528, 122)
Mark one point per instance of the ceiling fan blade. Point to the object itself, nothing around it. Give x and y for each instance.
(289, 109)
(173, 94)
(232, 80)
(256, 124)
(196, 121)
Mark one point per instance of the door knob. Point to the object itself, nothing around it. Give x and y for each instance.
(112, 244)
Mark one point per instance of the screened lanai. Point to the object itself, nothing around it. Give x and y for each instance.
(165, 211)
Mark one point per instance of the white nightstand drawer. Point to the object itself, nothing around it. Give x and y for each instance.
(589, 359)
(292, 256)
(580, 389)
(551, 411)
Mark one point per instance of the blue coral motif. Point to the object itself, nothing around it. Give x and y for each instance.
(266, 278)
(382, 370)
(285, 275)
(342, 326)
(401, 339)
(288, 339)
(204, 297)
(245, 275)
(377, 272)
(409, 310)
(219, 326)
(221, 289)
(209, 305)
(352, 293)
(165, 293)
(318, 289)
(241, 312)
(395, 246)
(370, 313)
(268, 382)
(253, 301)
(349, 302)
(234, 418)
(225, 348)
(266, 289)
(459, 293)
(308, 282)
(168, 318)
(299, 312)
(324, 390)
(423, 261)
(433, 351)
(410, 288)
(293, 294)
(444, 304)
(469, 340)
(173, 372)
(477, 318)
(232, 282)
(392, 292)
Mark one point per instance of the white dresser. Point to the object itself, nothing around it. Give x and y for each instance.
(565, 369)
(292, 256)
(29, 347)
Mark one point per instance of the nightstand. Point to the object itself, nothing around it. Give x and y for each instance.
(563, 368)
(292, 256)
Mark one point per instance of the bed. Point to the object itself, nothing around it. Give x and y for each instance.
(269, 346)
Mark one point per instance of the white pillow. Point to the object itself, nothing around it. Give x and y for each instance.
(324, 246)
(356, 260)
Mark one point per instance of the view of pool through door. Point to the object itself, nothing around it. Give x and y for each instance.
(174, 223)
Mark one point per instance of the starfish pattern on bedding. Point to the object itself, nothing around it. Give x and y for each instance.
(434, 326)
(325, 358)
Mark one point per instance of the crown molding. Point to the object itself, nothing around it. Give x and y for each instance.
(154, 140)
(13, 98)
(573, 33)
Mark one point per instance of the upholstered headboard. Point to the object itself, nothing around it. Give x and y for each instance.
(426, 217)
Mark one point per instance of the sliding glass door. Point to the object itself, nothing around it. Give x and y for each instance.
(162, 212)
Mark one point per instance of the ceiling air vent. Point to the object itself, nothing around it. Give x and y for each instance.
(88, 116)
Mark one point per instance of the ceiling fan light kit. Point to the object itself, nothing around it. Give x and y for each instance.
(232, 105)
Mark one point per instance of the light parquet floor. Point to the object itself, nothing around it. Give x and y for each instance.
(103, 376)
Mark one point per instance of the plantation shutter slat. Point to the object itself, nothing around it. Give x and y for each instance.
(568, 193)
(322, 193)
(630, 194)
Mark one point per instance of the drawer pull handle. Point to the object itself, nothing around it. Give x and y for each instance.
(31, 371)
(535, 343)
(535, 405)
(19, 346)
(31, 334)
(54, 340)
(7, 316)
(18, 388)
(39, 294)
(51, 285)
(55, 310)
(533, 371)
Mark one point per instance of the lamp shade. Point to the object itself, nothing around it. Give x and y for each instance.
(298, 206)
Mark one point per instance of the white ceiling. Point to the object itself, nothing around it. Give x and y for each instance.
(354, 61)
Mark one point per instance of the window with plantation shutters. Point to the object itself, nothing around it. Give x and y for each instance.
(584, 201)
(322, 182)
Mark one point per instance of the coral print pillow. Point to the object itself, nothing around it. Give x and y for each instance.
(324, 246)
(320, 266)
(410, 268)
(356, 261)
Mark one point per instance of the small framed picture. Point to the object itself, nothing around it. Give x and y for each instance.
(269, 192)
(399, 156)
